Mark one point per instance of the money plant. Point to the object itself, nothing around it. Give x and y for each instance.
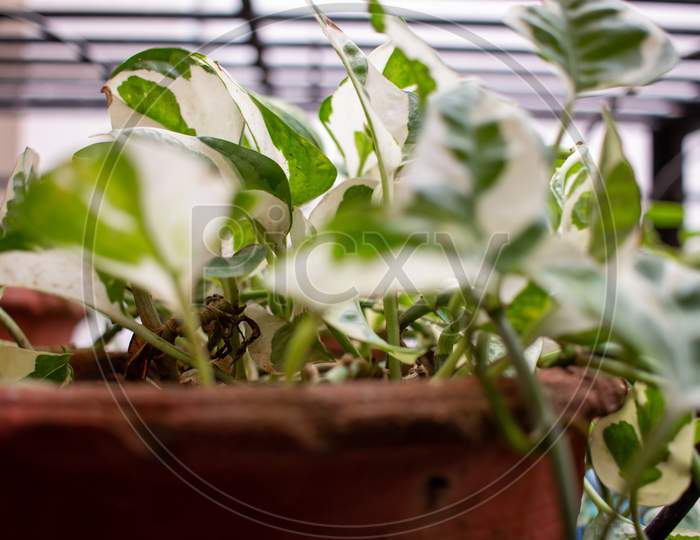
(423, 229)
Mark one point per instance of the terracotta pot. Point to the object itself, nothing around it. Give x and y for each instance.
(45, 319)
(363, 460)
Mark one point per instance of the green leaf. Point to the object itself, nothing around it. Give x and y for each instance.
(155, 101)
(619, 210)
(26, 172)
(597, 44)
(17, 364)
(527, 310)
(52, 367)
(412, 64)
(616, 441)
(281, 339)
(665, 214)
(141, 229)
(294, 117)
(346, 194)
(243, 263)
(212, 104)
(365, 100)
(175, 89)
(347, 317)
(310, 172)
(469, 162)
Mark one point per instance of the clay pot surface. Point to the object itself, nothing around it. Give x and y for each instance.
(45, 319)
(361, 460)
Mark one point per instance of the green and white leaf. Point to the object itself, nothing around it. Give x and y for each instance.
(188, 93)
(348, 193)
(617, 439)
(619, 211)
(650, 302)
(413, 64)
(598, 216)
(129, 204)
(173, 89)
(370, 257)
(366, 107)
(347, 317)
(245, 262)
(469, 162)
(58, 272)
(269, 197)
(261, 349)
(596, 44)
(20, 364)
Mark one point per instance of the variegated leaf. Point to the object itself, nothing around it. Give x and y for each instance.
(618, 439)
(130, 205)
(189, 94)
(23, 364)
(348, 194)
(596, 44)
(470, 160)
(347, 317)
(413, 64)
(367, 116)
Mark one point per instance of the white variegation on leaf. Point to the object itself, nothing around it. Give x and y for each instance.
(18, 364)
(411, 64)
(481, 147)
(265, 182)
(347, 317)
(328, 206)
(596, 44)
(316, 276)
(26, 171)
(57, 272)
(616, 440)
(366, 107)
(130, 205)
(190, 94)
(261, 349)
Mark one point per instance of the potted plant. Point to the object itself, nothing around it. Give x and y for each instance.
(481, 296)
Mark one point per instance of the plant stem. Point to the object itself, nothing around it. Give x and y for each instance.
(299, 345)
(204, 368)
(393, 333)
(634, 510)
(564, 122)
(543, 417)
(621, 369)
(515, 437)
(599, 502)
(107, 336)
(146, 309)
(450, 363)
(14, 330)
(149, 337)
(255, 294)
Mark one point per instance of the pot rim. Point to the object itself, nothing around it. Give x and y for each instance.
(319, 417)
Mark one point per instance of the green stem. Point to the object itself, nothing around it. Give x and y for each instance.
(297, 350)
(515, 437)
(695, 469)
(565, 121)
(107, 336)
(197, 350)
(393, 333)
(543, 417)
(14, 330)
(599, 502)
(149, 337)
(344, 342)
(621, 369)
(634, 510)
(255, 294)
(146, 309)
(448, 367)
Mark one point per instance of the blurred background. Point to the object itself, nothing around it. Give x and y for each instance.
(54, 55)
